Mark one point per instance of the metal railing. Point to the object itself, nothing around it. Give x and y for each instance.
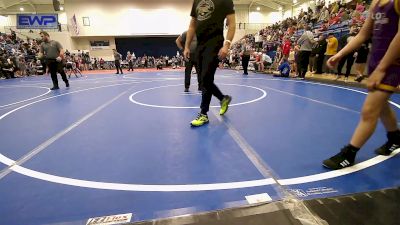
(61, 28)
(252, 26)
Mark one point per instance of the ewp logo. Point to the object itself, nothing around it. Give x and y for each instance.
(37, 21)
(298, 192)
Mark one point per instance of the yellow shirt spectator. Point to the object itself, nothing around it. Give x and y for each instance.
(332, 46)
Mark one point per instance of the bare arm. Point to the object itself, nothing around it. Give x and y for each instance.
(190, 32)
(178, 42)
(189, 37)
(231, 22)
(41, 50)
(61, 53)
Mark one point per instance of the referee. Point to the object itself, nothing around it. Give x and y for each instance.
(192, 61)
(53, 54)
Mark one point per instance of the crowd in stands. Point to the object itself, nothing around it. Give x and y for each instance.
(145, 61)
(329, 28)
(303, 42)
(18, 58)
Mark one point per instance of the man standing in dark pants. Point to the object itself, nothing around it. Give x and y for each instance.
(117, 58)
(53, 53)
(343, 41)
(180, 42)
(208, 23)
(306, 42)
(246, 51)
(320, 50)
(129, 58)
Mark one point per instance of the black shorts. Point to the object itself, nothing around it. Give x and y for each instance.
(266, 63)
(361, 58)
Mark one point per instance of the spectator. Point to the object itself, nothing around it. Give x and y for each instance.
(296, 58)
(331, 49)
(292, 59)
(306, 42)
(361, 60)
(360, 7)
(246, 51)
(349, 59)
(320, 50)
(159, 64)
(357, 18)
(345, 16)
(8, 69)
(334, 19)
(117, 59)
(38, 66)
(324, 14)
(266, 61)
(129, 58)
(284, 68)
(286, 47)
(102, 63)
(313, 57)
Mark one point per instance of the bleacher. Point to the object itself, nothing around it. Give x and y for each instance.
(338, 30)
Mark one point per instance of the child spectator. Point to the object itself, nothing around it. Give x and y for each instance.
(284, 69)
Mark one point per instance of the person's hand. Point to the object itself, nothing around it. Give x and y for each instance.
(333, 61)
(58, 59)
(223, 52)
(375, 78)
(186, 53)
(355, 55)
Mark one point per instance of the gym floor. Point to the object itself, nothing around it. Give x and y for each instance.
(115, 144)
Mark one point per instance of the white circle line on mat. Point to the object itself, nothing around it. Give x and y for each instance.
(14, 103)
(190, 187)
(264, 94)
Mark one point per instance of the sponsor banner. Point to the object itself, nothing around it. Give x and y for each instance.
(312, 191)
(260, 198)
(37, 21)
(109, 220)
(99, 47)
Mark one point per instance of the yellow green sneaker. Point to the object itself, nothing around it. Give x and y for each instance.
(225, 104)
(200, 120)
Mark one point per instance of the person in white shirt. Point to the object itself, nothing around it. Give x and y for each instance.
(129, 58)
(306, 42)
(266, 61)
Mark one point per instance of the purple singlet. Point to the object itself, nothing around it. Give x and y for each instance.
(386, 23)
